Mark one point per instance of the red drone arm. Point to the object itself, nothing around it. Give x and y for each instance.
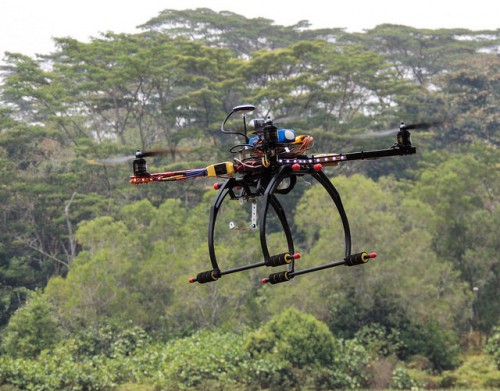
(214, 170)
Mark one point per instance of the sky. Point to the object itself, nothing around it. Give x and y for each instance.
(28, 26)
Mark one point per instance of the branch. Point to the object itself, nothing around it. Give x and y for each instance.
(72, 243)
(41, 251)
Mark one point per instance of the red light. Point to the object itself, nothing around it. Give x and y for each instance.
(265, 280)
(296, 256)
(192, 279)
(372, 255)
(318, 167)
(296, 167)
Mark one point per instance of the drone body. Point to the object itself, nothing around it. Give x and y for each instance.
(265, 165)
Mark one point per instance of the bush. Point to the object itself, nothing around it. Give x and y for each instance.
(109, 339)
(295, 337)
(378, 341)
(476, 372)
(493, 346)
(205, 357)
(295, 349)
(55, 372)
(402, 380)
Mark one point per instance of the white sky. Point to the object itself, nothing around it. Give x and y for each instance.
(27, 26)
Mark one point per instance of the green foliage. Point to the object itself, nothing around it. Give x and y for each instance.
(296, 338)
(463, 189)
(109, 340)
(207, 358)
(303, 351)
(471, 93)
(227, 29)
(423, 53)
(396, 227)
(402, 380)
(32, 329)
(493, 345)
(478, 371)
(56, 371)
(202, 359)
(378, 341)
(439, 345)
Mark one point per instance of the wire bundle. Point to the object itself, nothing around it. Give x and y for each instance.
(255, 153)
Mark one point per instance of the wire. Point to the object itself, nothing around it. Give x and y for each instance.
(305, 145)
(242, 147)
(248, 164)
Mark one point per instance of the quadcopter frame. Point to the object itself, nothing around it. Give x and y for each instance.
(271, 165)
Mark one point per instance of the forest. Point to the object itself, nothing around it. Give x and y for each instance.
(94, 291)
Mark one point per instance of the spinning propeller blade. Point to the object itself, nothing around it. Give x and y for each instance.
(156, 152)
(113, 160)
(393, 131)
(138, 154)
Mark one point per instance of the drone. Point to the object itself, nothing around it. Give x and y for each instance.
(266, 164)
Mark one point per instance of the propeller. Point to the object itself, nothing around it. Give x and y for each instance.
(387, 132)
(286, 119)
(139, 154)
(258, 123)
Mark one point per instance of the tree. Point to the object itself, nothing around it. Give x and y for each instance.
(229, 30)
(422, 54)
(85, 101)
(129, 85)
(327, 86)
(31, 329)
(384, 219)
(463, 189)
(469, 99)
(305, 352)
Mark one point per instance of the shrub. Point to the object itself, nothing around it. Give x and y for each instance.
(200, 359)
(295, 337)
(295, 349)
(55, 372)
(110, 339)
(378, 341)
(493, 345)
(477, 371)
(402, 380)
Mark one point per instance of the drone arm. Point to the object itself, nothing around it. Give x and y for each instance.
(168, 176)
(334, 159)
(214, 170)
(381, 153)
